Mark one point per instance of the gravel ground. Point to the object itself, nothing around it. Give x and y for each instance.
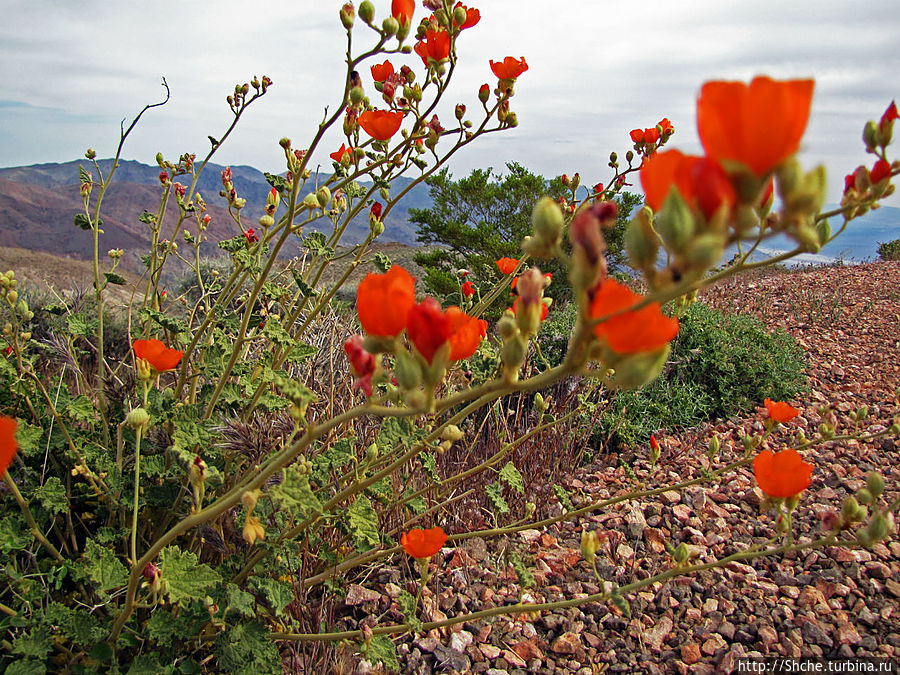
(834, 602)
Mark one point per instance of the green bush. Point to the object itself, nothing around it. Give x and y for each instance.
(720, 364)
(889, 250)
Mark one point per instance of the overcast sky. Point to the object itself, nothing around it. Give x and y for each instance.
(73, 70)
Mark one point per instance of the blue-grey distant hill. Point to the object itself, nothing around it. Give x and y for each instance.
(38, 203)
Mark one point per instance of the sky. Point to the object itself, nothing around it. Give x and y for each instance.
(74, 71)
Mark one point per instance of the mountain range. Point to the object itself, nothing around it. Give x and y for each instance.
(38, 204)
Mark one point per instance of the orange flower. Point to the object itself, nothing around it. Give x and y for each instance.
(381, 124)
(423, 543)
(759, 125)
(473, 16)
(382, 71)
(507, 265)
(780, 411)
(782, 474)
(402, 10)
(630, 332)
(155, 352)
(428, 327)
(383, 301)
(466, 333)
(509, 68)
(8, 446)
(700, 181)
(435, 47)
(666, 126)
(338, 155)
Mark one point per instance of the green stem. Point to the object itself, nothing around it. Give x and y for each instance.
(35, 530)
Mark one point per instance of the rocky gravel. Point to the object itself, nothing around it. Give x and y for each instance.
(836, 602)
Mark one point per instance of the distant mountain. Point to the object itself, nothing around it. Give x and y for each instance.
(38, 204)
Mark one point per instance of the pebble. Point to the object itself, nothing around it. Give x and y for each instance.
(567, 643)
(690, 653)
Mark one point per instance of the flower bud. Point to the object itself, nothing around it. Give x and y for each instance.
(323, 196)
(137, 418)
(347, 14)
(590, 543)
(870, 135)
(459, 15)
(198, 471)
(681, 553)
(366, 11)
(878, 528)
(389, 26)
(863, 496)
(484, 93)
(452, 433)
(548, 221)
(249, 498)
(675, 223)
(407, 370)
(875, 484)
(513, 356)
(90, 153)
(713, 448)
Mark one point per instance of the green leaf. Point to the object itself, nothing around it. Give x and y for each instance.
(407, 602)
(301, 352)
(511, 476)
(104, 568)
(147, 664)
(494, 491)
(247, 650)
(563, 497)
(239, 601)
(280, 183)
(295, 495)
(418, 505)
(82, 221)
(277, 333)
(82, 409)
(14, 533)
(526, 578)
(277, 594)
(113, 278)
(168, 322)
(84, 176)
(75, 625)
(297, 392)
(185, 578)
(36, 644)
(363, 523)
(306, 290)
(29, 439)
(332, 459)
(147, 217)
(52, 495)
(382, 262)
(429, 463)
(26, 667)
(382, 650)
(164, 628)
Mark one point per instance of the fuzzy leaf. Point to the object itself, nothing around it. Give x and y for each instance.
(306, 290)
(185, 578)
(429, 463)
(36, 644)
(247, 650)
(563, 497)
(103, 567)
(82, 409)
(511, 476)
(169, 323)
(277, 334)
(82, 221)
(526, 578)
(407, 603)
(29, 439)
(278, 594)
(494, 493)
(52, 495)
(295, 495)
(115, 279)
(382, 262)
(363, 523)
(239, 601)
(382, 650)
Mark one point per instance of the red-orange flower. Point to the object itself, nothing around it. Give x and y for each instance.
(381, 124)
(383, 301)
(473, 16)
(155, 352)
(466, 333)
(427, 327)
(700, 181)
(780, 411)
(468, 289)
(666, 126)
(880, 171)
(435, 47)
(423, 543)
(338, 155)
(402, 10)
(382, 71)
(760, 124)
(630, 332)
(8, 445)
(507, 265)
(509, 68)
(782, 474)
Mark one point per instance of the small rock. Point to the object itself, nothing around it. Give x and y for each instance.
(810, 596)
(655, 636)
(727, 630)
(460, 641)
(490, 651)
(813, 633)
(768, 635)
(867, 617)
(531, 536)
(713, 644)
(690, 653)
(847, 634)
(682, 512)
(878, 570)
(513, 659)
(636, 522)
(528, 650)
(427, 643)
(710, 605)
(358, 595)
(892, 587)
(567, 643)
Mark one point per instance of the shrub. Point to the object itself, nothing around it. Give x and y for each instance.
(889, 250)
(720, 364)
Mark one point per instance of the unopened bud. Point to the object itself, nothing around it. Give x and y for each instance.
(348, 14)
(390, 26)
(590, 543)
(253, 530)
(366, 11)
(249, 498)
(452, 433)
(864, 496)
(137, 418)
(878, 528)
(484, 93)
(90, 153)
(323, 195)
(870, 135)
(713, 447)
(681, 553)
(548, 221)
(875, 484)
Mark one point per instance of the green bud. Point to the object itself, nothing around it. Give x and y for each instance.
(713, 447)
(407, 370)
(870, 135)
(159, 160)
(622, 605)
(636, 370)
(357, 95)
(323, 195)
(347, 14)
(823, 229)
(452, 433)
(681, 553)
(878, 528)
(675, 223)
(875, 484)
(389, 26)
(137, 419)
(366, 11)
(789, 175)
(864, 496)
(459, 16)
(12, 296)
(548, 220)
(311, 202)
(808, 238)
(590, 543)
(372, 453)
(641, 241)
(705, 251)
(850, 509)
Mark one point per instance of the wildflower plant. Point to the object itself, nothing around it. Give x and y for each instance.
(214, 491)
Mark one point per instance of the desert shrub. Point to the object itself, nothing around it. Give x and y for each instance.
(720, 364)
(889, 250)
